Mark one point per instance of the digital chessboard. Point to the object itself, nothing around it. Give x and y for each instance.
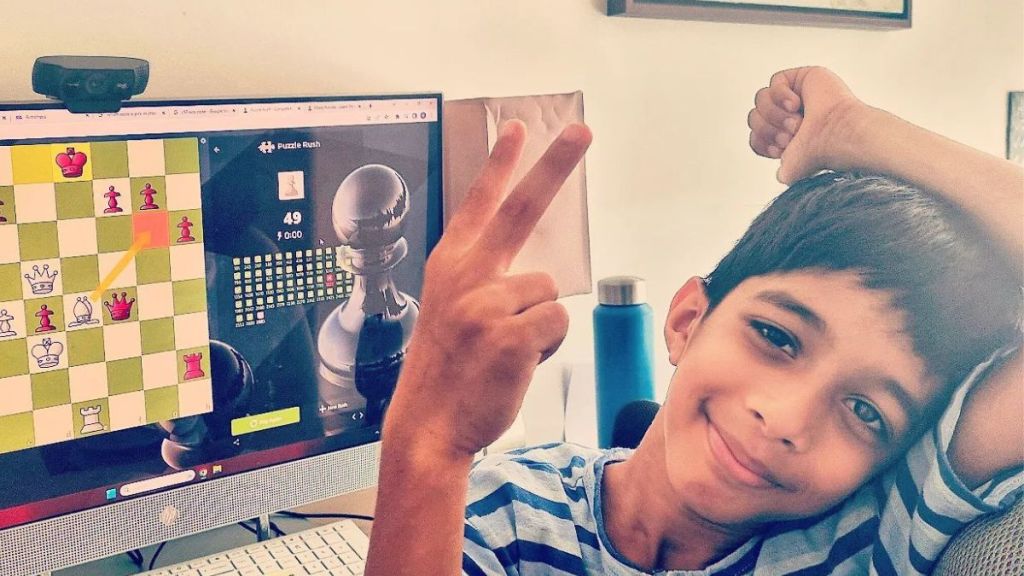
(103, 321)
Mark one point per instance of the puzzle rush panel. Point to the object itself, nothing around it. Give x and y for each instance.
(103, 322)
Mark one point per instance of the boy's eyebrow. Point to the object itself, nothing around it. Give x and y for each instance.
(910, 406)
(785, 301)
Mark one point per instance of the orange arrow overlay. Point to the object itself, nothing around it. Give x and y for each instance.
(141, 241)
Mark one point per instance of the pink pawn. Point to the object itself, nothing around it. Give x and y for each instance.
(186, 230)
(148, 192)
(111, 197)
(44, 319)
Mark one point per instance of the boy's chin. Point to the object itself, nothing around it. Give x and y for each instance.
(748, 513)
(705, 494)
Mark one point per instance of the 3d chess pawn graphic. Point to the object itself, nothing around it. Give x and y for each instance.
(83, 313)
(47, 353)
(363, 341)
(71, 163)
(111, 195)
(91, 419)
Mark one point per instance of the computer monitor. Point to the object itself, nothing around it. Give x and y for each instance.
(203, 309)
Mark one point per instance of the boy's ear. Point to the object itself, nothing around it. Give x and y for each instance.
(684, 315)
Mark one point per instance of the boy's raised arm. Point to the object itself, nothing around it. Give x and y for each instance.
(812, 121)
(477, 341)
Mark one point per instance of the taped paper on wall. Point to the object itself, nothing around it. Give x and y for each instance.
(560, 244)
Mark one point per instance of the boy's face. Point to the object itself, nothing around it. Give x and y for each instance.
(793, 392)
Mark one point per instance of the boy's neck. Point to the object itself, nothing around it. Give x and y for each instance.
(646, 523)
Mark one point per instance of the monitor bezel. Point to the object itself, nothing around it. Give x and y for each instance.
(69, 539)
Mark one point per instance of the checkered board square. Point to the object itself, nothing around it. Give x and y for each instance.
(268, 281)
(103, 320)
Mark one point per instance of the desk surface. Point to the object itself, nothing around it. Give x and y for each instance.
(228, 537)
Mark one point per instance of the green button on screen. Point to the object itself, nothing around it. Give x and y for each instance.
(265, 421)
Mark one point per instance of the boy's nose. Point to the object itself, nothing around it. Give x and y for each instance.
(786, 420)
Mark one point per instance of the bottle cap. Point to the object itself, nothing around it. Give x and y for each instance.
(621, 291)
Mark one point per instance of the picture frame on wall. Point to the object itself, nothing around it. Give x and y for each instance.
(880, 14)
(1015, 128)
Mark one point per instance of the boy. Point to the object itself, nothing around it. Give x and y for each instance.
(804, 370)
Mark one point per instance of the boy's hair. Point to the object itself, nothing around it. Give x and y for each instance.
(959, 292)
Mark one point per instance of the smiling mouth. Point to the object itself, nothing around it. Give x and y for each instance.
(745, 471)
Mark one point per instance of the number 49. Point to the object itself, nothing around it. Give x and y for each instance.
(293, 218)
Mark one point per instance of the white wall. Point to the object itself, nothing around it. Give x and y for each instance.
(672, 183)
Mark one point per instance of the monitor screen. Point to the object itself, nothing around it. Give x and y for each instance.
(195, 290)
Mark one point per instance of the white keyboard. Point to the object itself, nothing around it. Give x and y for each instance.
(337, 549)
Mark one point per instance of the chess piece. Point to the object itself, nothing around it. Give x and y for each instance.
(190, 441)
(91, 419)
(83, 313)
(193, 369)
(111, 196)
(292, 192)
(47, 353)
(363, 341)
(44, 319)
(5, 325)
(119, 309)
(148, 202)
(41, 282)
(186, 230)
(2, 219)
(71, 163)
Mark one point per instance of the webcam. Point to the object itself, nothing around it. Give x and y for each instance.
(90, 83)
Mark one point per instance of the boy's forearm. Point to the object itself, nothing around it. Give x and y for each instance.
(989, 188)
(421, 501)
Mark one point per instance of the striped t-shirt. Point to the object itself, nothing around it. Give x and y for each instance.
(538, 511)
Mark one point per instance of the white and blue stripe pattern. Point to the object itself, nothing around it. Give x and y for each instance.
(538, 511)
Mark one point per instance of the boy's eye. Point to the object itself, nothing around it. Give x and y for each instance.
(867, 414)
(776, 337)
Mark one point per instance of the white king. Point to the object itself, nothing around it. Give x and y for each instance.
(48, 353)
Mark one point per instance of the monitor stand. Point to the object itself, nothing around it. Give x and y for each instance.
(263, 528)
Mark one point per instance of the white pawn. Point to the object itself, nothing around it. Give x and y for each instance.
(5, 325)
(363, 341)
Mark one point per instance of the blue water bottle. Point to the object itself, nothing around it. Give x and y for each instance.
(623, 349)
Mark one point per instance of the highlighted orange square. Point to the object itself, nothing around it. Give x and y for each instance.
(154, 222)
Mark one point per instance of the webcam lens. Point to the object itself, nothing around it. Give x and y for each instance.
(96, 83)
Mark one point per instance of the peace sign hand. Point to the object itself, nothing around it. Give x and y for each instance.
(482, 332)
